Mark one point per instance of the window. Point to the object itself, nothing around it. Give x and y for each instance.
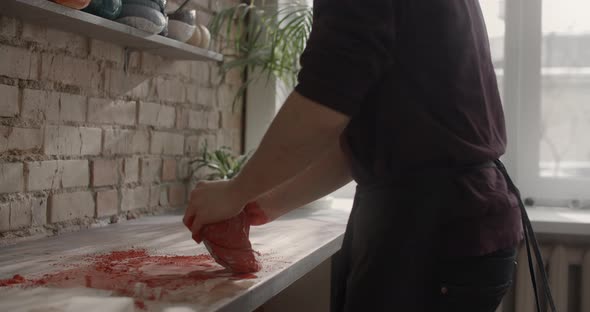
(545, 73)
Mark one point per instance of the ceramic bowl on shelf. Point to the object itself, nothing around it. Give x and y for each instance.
(195, 39)
(74, 4)
(146, 15)
(205, 37)
(109, 9)
(182, 25)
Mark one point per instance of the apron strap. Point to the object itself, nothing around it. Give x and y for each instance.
(529, 236)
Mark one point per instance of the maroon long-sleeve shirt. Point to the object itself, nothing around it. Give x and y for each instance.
(417, 80)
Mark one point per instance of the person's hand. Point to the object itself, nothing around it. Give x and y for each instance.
(211, 202)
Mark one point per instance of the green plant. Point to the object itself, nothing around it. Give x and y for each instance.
(222, 163)
(267, 40)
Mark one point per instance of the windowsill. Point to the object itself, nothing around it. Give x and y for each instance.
(545, 220)
(560, 221)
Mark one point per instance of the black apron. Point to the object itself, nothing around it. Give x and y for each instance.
(389, 256)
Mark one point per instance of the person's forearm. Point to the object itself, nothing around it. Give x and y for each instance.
(300, 132)
(325, 175)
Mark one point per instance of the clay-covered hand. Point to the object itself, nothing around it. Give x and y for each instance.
(211, 202)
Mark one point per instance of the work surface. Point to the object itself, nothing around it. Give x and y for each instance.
(289, 248)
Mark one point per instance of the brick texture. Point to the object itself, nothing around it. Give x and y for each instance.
(104, 172)
(121, 142)
(150, 169)
(132, 199)
(23, 64)
(53, 106)
(167, 143)
(177, 194)
(54, 174)
(39, 211)
(154, 196)
(169, 170)
(68, 206)
(156, 115)
(69, 70)
(4, 217)
(111, 111)
(67, 140)
(19, 138)
(11, 177)
(131, 170)
(9, 101)
(106, 51)
(184, 168)
(20, 214)
(107, 203)
(81, 137)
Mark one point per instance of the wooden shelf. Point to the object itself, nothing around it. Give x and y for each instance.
(47, 13)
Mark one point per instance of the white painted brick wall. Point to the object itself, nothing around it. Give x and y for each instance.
(107, 203)
(66, 100)
(170, 90)
(43, 175)
(136, 198)
(184, 168)
(68, 140)
(154, 196)
(150, 169)
(11, 177)
(8, 27)
(157, 115)
(119, 83)
(39, 210)
(68, 206)
(105, 172)
(206, 96)
(121, 142)
(12, 138)
(69, 70)
(74, 173)
(53, 106)
(131, 170)
(4, 217)
(55, 40)
(195, 143)
(111, 111)
(23, 64)
(55, 174)
(106, 51)
(167, 143)
(20, 214)
(8, 100)
(197, 120)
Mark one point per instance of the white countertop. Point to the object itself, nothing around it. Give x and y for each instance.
(290, 247)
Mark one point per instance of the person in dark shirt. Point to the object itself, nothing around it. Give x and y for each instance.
(400, 96)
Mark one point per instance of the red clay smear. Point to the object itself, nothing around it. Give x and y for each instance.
(133, 273)
(15, 280)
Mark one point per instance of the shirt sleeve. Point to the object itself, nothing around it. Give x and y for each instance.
(349, 48)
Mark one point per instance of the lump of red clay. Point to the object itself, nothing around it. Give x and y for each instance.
(15, 280)
(229, 244)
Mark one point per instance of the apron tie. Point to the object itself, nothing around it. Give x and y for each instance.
(529, 237)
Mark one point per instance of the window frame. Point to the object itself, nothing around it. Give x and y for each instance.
(522, 105)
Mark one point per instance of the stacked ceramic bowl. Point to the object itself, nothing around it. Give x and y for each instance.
(182, 25)
(147, 15)
(109, 9)
(74, 4)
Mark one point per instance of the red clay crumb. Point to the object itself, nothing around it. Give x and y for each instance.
(139, 304)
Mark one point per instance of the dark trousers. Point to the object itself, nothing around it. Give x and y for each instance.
(389, 259)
